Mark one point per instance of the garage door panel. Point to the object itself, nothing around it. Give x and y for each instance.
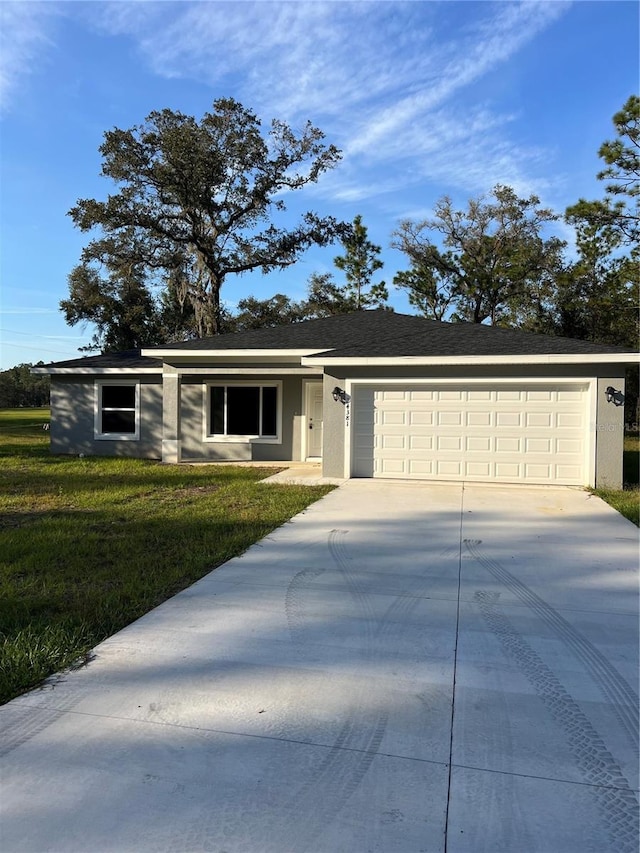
(421, 442)
(479, 419)
(568, 472)
(538, 471)
(569, 396)
(394, 442)
(508, 445)
(475, 395)
(449, 443)
(536, 433)
(421, 418)
(509, 396)
(569, 445)
(449, 468)
(508, 419)
(478, 444)
(542, 420)
(566, 420)
(479, 469)
(394, 466)
(538, 396)
(447, 419)
(508, 470)
(421, 468)
(391, 418)
(538, 445)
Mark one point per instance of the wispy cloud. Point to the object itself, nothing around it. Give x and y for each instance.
(301, 59)
(467, 149)
(25, 30)
(447, 139)
(386, 81)
(118, 17)
(454, 64)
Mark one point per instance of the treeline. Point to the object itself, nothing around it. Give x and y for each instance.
(20, 388)
(198, 201)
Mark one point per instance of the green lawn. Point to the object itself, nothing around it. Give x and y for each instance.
(627, 500)
(87, 545)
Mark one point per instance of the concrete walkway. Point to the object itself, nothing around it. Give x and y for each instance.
(403, 667)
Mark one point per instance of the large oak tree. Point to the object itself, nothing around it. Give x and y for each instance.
(198, 201)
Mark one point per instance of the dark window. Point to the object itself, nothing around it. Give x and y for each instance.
(122, 423)
(269, 411)
(117, 414)
(244, 410)
(217, 411)
(118, 396)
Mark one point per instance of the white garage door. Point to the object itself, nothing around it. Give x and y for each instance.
(530, 433)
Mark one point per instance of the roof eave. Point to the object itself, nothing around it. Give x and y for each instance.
(230, 353)
(418, 360)
(94, 371)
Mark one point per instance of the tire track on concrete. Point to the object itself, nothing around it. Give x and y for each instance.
(405, 603)
(340, 773)
(612, 685)
(25, 722)
(343, 561)
(296, 823)
(294, 603)
(332, 783)
(342, 770)
(617, 802)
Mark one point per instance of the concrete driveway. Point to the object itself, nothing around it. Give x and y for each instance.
(403, 667)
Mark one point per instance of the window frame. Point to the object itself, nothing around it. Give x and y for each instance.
(230, 438)
(98, 434)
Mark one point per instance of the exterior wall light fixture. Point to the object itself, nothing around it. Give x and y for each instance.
(340, 396)
(613, 396)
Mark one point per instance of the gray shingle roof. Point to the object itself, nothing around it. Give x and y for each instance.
(364, 334)
(130, 359)
(325, 333)
(430, 338)
(388, 334)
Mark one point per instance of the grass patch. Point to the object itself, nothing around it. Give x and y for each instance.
(24, 431)
(627, 499)
(89, 544)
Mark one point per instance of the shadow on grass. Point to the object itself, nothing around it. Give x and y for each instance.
(73, 579)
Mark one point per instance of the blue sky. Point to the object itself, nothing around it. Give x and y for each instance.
(424, 99)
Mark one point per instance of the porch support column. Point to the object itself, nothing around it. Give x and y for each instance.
(334, 429)
(609, 429)
(170, 416)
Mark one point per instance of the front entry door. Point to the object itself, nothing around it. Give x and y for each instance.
(314, 419)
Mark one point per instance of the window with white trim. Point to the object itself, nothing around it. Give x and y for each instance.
(117, 410)
(243, 411)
